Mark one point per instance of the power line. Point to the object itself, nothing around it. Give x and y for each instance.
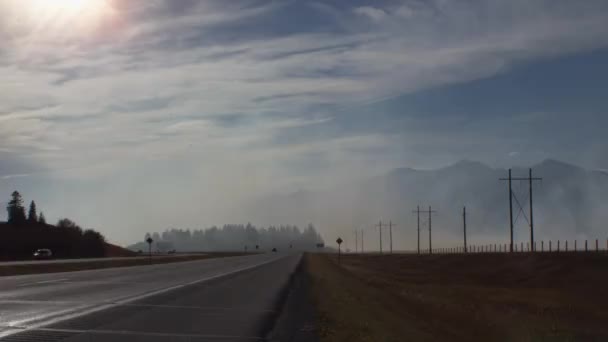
(464, 225)
(417, 211)
(362, 249)
(390, 232)
(530, 179)
(379, 225)
(430, 212)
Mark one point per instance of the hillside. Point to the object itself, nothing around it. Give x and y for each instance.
(117, 251)
(19, 241)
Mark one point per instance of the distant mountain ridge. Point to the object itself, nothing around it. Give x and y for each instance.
(570, 202)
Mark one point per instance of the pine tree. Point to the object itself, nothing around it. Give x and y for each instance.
(41, 218)
(16, 211)
(32, 216)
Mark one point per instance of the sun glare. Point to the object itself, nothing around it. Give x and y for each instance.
(67, 14)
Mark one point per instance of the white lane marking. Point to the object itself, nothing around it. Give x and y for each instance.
(43, 282)
(63, 315)
(151, 334)
(188, 307)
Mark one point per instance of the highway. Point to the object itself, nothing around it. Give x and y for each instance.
(224, 299)
(83, 260)
(67, 261)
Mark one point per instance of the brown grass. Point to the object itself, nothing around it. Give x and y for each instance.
(80, 266)
(481, 297)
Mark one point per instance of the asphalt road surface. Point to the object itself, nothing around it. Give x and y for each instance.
(224, 299)
(68, 261)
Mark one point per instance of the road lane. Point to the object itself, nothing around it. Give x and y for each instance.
(36, 300)
(81, 260)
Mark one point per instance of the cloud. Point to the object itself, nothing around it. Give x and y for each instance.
(373, 13)
(129, 89)
(234, 83)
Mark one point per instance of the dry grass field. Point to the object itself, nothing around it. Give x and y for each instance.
(476, 297)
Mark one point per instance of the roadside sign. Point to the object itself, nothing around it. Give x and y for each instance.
(339, 241)
(149, 241)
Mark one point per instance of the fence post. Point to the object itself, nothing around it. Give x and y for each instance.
(534, 249)
(597, 248)
(549, 245)
(542, 246)
(558, 245)
(522, 247)
(575, 245)
(566, 245)
(586, 246)
(527, 246)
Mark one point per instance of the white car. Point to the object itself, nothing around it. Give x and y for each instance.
(43, 253)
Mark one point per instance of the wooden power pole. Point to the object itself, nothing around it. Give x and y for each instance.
(379, 225)
(362, 248)
(430, 212)
(417, 211)
(530, 179)
(464, 221)
(390, 233)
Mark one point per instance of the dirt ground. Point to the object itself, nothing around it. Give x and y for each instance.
(476, 297)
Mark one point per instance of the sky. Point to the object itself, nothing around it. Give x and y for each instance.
(132, 116)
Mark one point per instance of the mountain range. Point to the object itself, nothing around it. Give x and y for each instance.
(569, 203)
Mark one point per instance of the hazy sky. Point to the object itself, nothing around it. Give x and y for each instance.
(137, 115)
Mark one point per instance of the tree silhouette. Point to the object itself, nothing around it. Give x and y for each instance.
(41, 218)
(16, 211)
(232, 237)
(68, 224)
(65, 240)
(32, 216)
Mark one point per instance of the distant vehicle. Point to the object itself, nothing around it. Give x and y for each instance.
(43, 254)
(274, 250)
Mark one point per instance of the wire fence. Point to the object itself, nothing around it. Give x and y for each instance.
(549, 246)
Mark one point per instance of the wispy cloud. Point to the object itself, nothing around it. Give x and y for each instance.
(203, 80)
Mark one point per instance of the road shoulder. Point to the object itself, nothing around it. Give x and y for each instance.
(298, 320)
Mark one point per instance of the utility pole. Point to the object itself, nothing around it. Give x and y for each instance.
(464, 221)
(379, 225)
(390, 233)
(430, 239)
(530, 179)
(417, 211)
(362, 250)
(430, 212)
(510, 179)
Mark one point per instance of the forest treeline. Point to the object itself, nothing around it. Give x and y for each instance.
(25, 232)
(233, 237)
